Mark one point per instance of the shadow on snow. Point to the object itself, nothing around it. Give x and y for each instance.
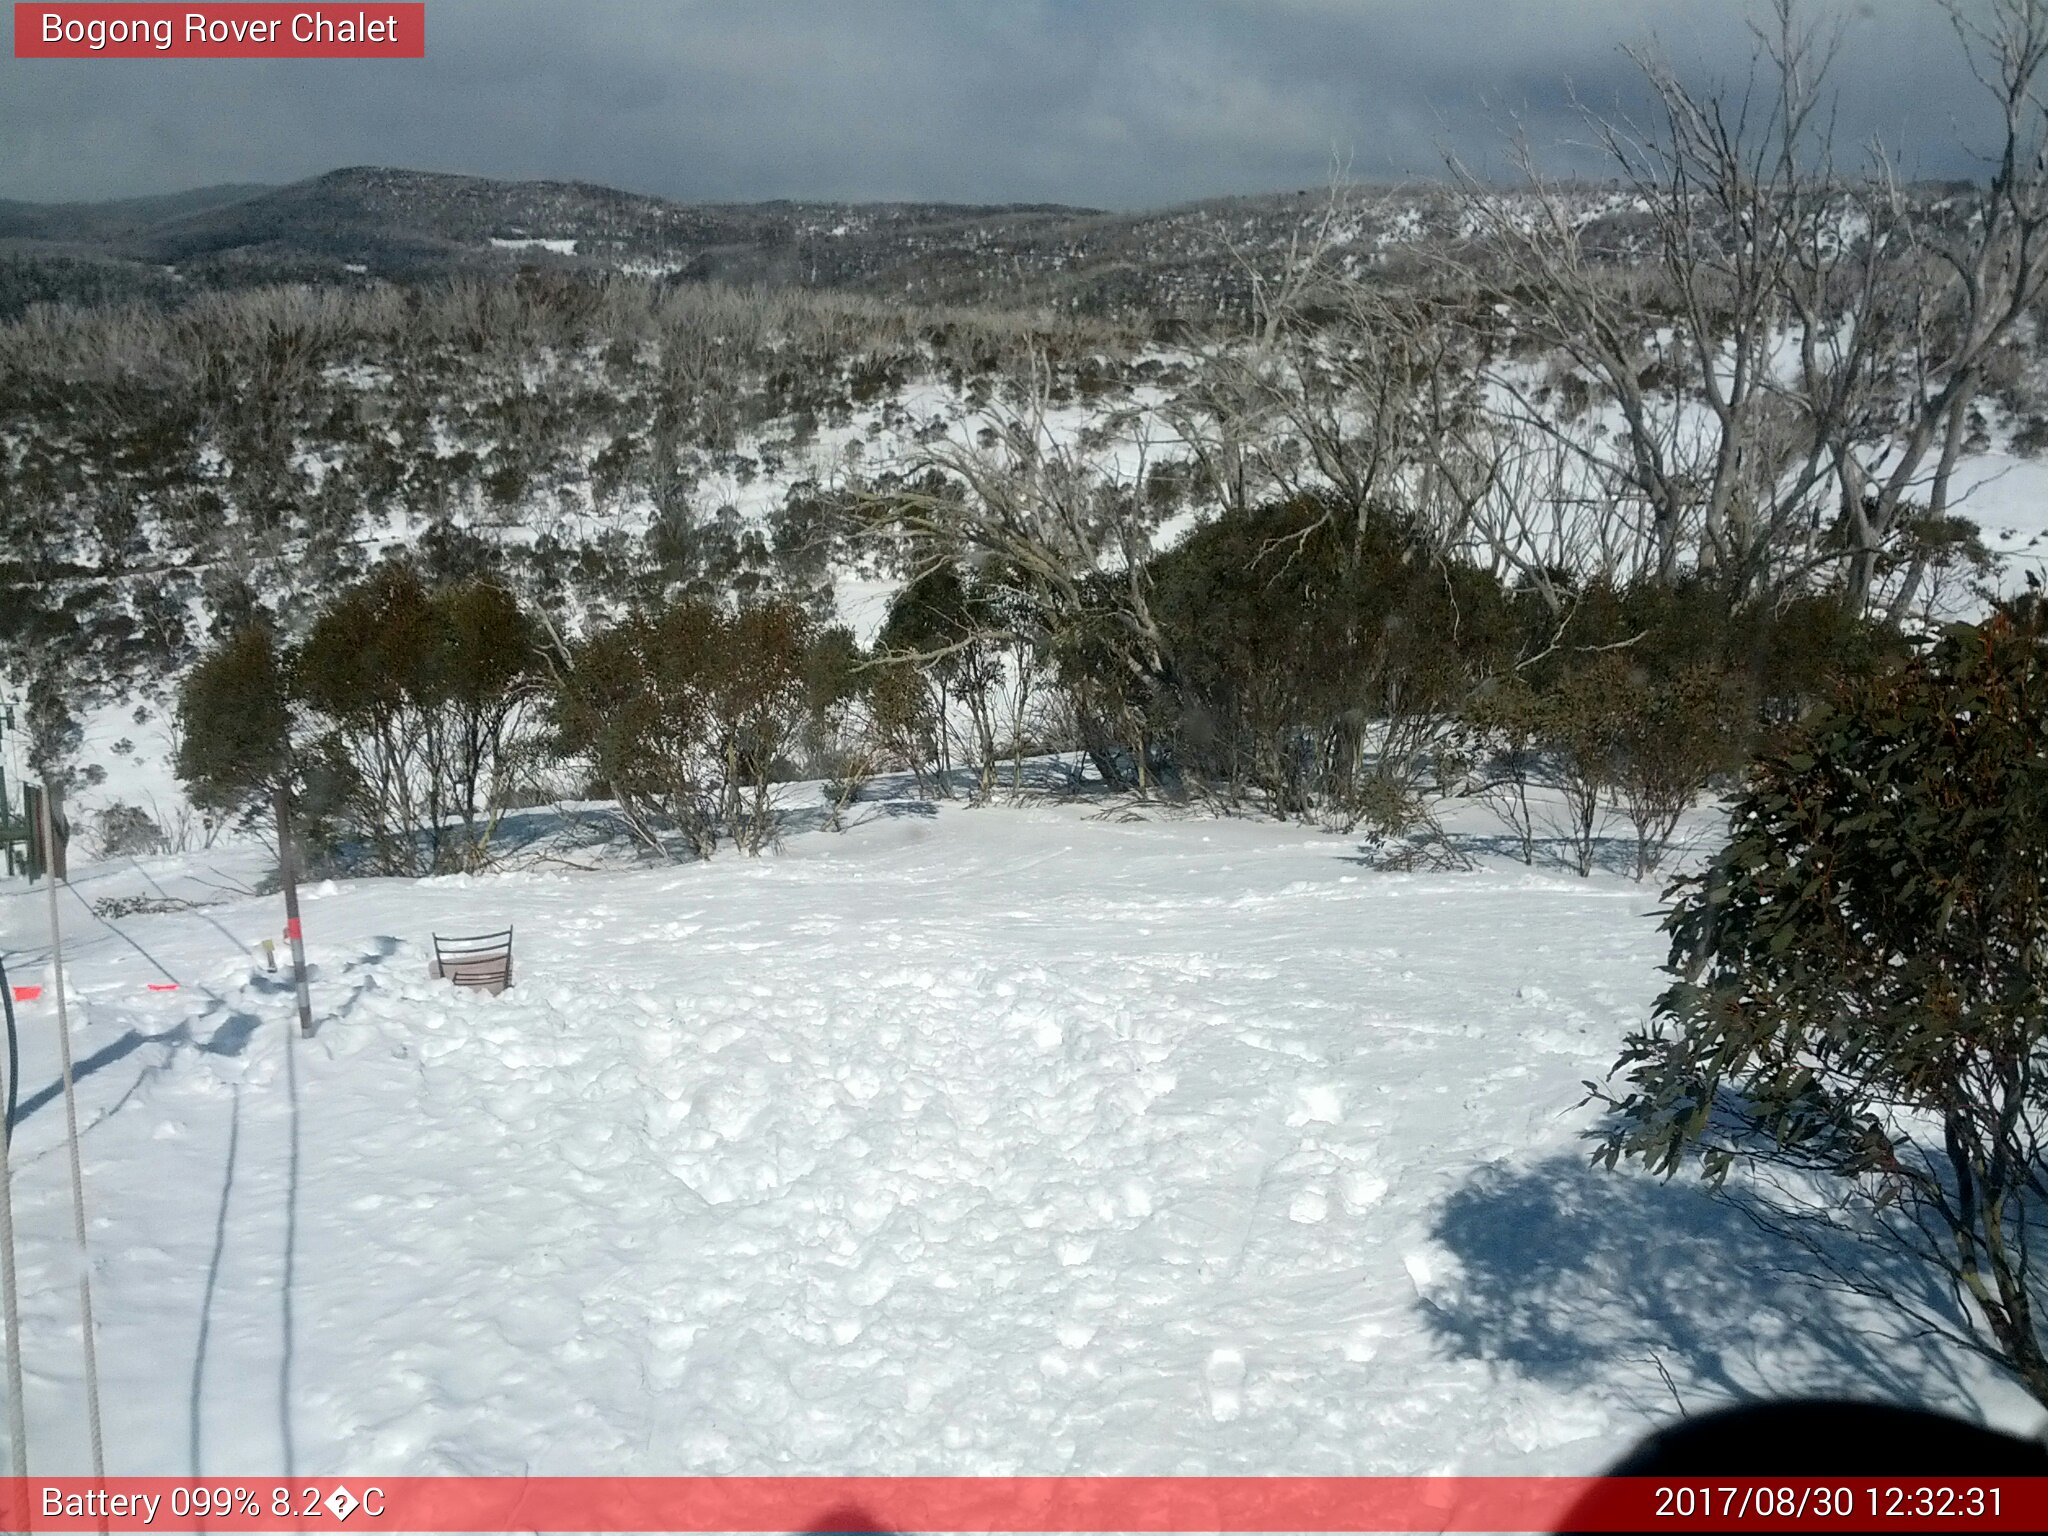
(1575, 1274)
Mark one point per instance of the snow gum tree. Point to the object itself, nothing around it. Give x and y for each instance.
(1063, 518)
(967, 638)
(688, 715)
(361, 668)
(1859, 1004)
(630, 701)
(759, 682)
(235, 723)
(399, 718)
(1321, 665)
(481, 675)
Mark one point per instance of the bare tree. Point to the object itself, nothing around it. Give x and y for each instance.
(1701, 230)
(1060, 512)
(1347, 390)
(1981, 265)
(1796, 347)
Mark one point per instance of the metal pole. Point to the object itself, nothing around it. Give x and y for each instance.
(52, 871)
(6, 806)
(32, 813)
(292, 930)
(17, 1422)
(13, 1050)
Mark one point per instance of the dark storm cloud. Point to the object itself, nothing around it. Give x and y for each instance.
(1119, 103)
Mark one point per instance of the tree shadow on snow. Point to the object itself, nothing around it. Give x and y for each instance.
(896, 810)
(1063, 776)
(230, 1037)
(281, 983)
(1549, 855)
(1574, 1275)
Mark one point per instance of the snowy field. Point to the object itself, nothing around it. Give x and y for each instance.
(971, 1141)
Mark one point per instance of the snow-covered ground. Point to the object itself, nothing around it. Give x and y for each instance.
(2007, 497)
(1022, 1139)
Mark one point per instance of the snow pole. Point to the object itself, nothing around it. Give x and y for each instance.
(17, 1422)
(292, 931)
(92, 1366)
(13, 1050)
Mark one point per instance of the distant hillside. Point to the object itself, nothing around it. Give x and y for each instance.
(365, 225)
(113, 223)
(368, 224)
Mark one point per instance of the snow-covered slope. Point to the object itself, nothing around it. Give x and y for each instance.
(1014, 1139)
(2007, 497)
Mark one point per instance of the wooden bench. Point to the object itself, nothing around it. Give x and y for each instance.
(482, 961)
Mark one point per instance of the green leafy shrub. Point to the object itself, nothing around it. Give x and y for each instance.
(688, 714)
(1859, 980)
(235, 723)
(398, 719)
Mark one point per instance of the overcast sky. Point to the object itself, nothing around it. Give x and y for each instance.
(1112, 103)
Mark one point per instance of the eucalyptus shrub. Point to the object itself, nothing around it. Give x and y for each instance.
(1858, 993)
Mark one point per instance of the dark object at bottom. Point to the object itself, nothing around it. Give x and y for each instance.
(1824, 1439)
(1828, 1439)
(847, 1520)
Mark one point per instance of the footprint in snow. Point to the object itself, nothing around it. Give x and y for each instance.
(1321, 1103)
(1364, 1343)
(1310, 1206)
(1223, 1379)
(1362, 1188)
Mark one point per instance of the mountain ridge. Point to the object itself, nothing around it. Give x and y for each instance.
(359, 223)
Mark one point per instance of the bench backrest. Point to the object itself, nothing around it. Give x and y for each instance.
(475, 960)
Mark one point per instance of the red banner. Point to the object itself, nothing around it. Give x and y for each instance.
(212, 31)
(1016, 1504)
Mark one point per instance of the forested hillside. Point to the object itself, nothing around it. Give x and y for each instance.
(371, 224)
